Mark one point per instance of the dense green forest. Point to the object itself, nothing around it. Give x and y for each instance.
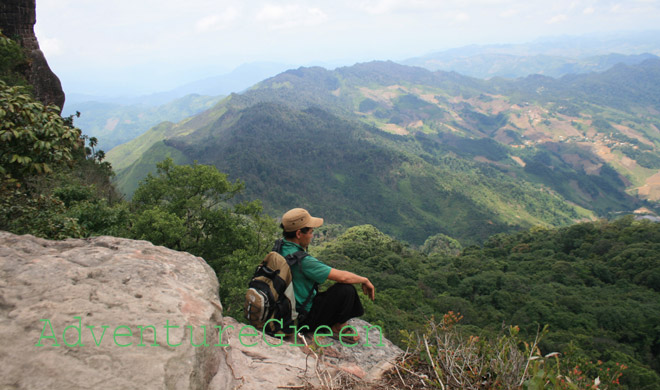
(596, 285)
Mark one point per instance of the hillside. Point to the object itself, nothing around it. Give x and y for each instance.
(596, 285)
(418, 153)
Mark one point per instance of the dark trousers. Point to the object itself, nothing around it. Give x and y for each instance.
(336, 305)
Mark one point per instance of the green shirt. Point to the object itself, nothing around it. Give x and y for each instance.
(313, 271)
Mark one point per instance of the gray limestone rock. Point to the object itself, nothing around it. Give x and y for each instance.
(258, 363)
(112, 313)
(111, 287)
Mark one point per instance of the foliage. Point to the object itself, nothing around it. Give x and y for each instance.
(442, 245)
(188, 208)
(181, 207)
(448, 356)
(34, 138)
(357, 174)
(39, 215)
(645, 159)
(51, 185)
(594, 284)
(12, 62)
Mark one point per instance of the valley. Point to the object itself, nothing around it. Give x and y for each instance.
(418, 153)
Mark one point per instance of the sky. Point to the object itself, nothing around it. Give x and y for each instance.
(130, 47)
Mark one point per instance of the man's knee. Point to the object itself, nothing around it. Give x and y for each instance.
(343, 289)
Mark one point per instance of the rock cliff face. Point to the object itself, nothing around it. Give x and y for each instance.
(17, 19)
(111, 313)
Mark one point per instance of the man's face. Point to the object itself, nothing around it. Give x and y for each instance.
(305, 238)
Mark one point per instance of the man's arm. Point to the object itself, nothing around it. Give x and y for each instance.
(350, 278)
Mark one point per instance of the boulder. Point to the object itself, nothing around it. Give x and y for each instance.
(81, 314)
(113, 313)
(263, 362)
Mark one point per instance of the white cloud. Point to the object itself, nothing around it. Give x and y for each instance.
(380, 7)
(290, 16)
(509, 13)
(461, 17)
(215, 22)
(558, 19)
(588, 11)
(52, 47)
(426, 7)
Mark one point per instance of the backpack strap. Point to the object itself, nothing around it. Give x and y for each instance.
(302, 313)
(277, 247)
(297, 258)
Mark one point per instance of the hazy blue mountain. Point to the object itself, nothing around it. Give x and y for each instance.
(237, 80)
(114, 124)
(116, 120)
(553, 57)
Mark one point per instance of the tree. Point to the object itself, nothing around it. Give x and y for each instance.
(12, 60)
(441, 244)
(33, 139)
(188, 208)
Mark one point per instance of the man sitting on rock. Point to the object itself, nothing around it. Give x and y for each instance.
(334, 306)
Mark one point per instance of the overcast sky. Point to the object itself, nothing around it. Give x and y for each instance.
(140, 46)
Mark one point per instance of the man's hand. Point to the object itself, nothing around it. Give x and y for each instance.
(351, 278)
(369, 290)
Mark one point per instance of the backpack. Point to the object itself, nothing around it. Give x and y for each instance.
(270, 293)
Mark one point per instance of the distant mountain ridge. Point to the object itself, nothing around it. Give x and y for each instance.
(117, 120)
(417, 153)
(114, 124)
(554, 57)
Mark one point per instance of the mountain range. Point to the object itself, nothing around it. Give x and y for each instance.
(115, 120)
(417, 153)
(551, 56)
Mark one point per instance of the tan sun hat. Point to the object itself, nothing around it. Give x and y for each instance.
(299, 218)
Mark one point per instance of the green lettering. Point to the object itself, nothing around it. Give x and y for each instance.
(167, 327)
(91, 330)
(327, 334)
(240, 335)
(142, 328)
(341, 335)
(281, 336)
(115, 335)
(52, 336)
(78, 328)
(191, 337)
(380, 335)
(219, 344)
(295, 335)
